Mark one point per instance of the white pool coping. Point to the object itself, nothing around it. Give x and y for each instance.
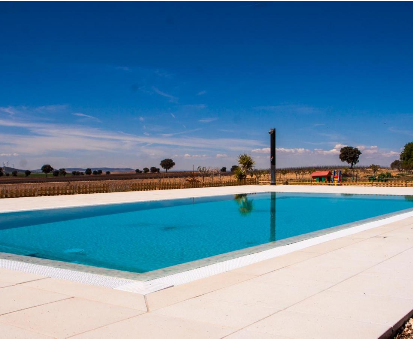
(146, 287)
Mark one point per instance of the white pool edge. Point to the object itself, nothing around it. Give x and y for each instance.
(146, 287)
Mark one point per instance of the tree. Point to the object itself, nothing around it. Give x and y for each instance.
(204, 171)
(88, 171)
(47, 169)
(246, 162)
(138, 171)
(95, 172)
(62, 172)
(145, 170)
(1, 172)
(167, 164)
(234, 167)
(350, 155)
(75, 173)
(56, 173)
(397, 164)
(154, 169)
(27, 173)
(374, 168)
(284, 172)
(100, 172)
(107, 172)
(224, 169)
(406, 157)
(14, 173)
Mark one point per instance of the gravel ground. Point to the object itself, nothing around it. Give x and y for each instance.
(406, 332)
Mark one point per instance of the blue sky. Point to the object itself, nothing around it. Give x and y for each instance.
(128, 84)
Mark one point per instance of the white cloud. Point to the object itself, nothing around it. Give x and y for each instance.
(222, 155)
(9, 154)
(187, 155)
(282, 150)
(200, 93)
(207, 120)
(141, 119)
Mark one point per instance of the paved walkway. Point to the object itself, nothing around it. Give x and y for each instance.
(353, 287)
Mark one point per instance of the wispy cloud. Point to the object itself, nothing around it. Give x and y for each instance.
(207, 120)
(9, 110)
(42, 138)
(222, 155)
(179, 133)
(290, 109)
(170, 97)
(122, 68)
(401, 132)
(195, 106)
(86, 117)
(201, 93)
(173, 116)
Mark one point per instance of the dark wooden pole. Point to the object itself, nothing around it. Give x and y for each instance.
(273, 156)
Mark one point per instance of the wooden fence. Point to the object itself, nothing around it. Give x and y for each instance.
(364, 184)
(14, 191)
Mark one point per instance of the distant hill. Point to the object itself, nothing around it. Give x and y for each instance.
(10, 170)
(104, 169)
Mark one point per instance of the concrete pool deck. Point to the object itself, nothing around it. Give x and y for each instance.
(357, 286)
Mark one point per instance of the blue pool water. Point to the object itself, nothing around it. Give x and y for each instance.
(141, 237)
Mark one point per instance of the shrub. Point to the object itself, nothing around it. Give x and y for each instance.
(223, 169)
(100, 172)
(62, 172)
(145, 170)
(14, 173)
(56, 173)
(88, 171)
(95, 172)
(27, 173)
(107, 172)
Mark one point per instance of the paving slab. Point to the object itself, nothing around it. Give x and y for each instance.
(14, 298)
(398, 265)
(202, 309)
(244, 334)
(377, 284)
(150, 326)
(67, 318)
(323, 268)
(327, 247)
(276, 263)
(266, 294)
(355, 306)
(12, 332)
(288, 324)
(170, 296)
(6, 284)
(90, 292)
(15, 276)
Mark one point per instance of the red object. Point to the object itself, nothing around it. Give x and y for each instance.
(321, 174)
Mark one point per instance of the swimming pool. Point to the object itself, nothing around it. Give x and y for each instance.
(147, 236)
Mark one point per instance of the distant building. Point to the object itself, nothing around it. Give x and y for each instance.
(321, 176)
